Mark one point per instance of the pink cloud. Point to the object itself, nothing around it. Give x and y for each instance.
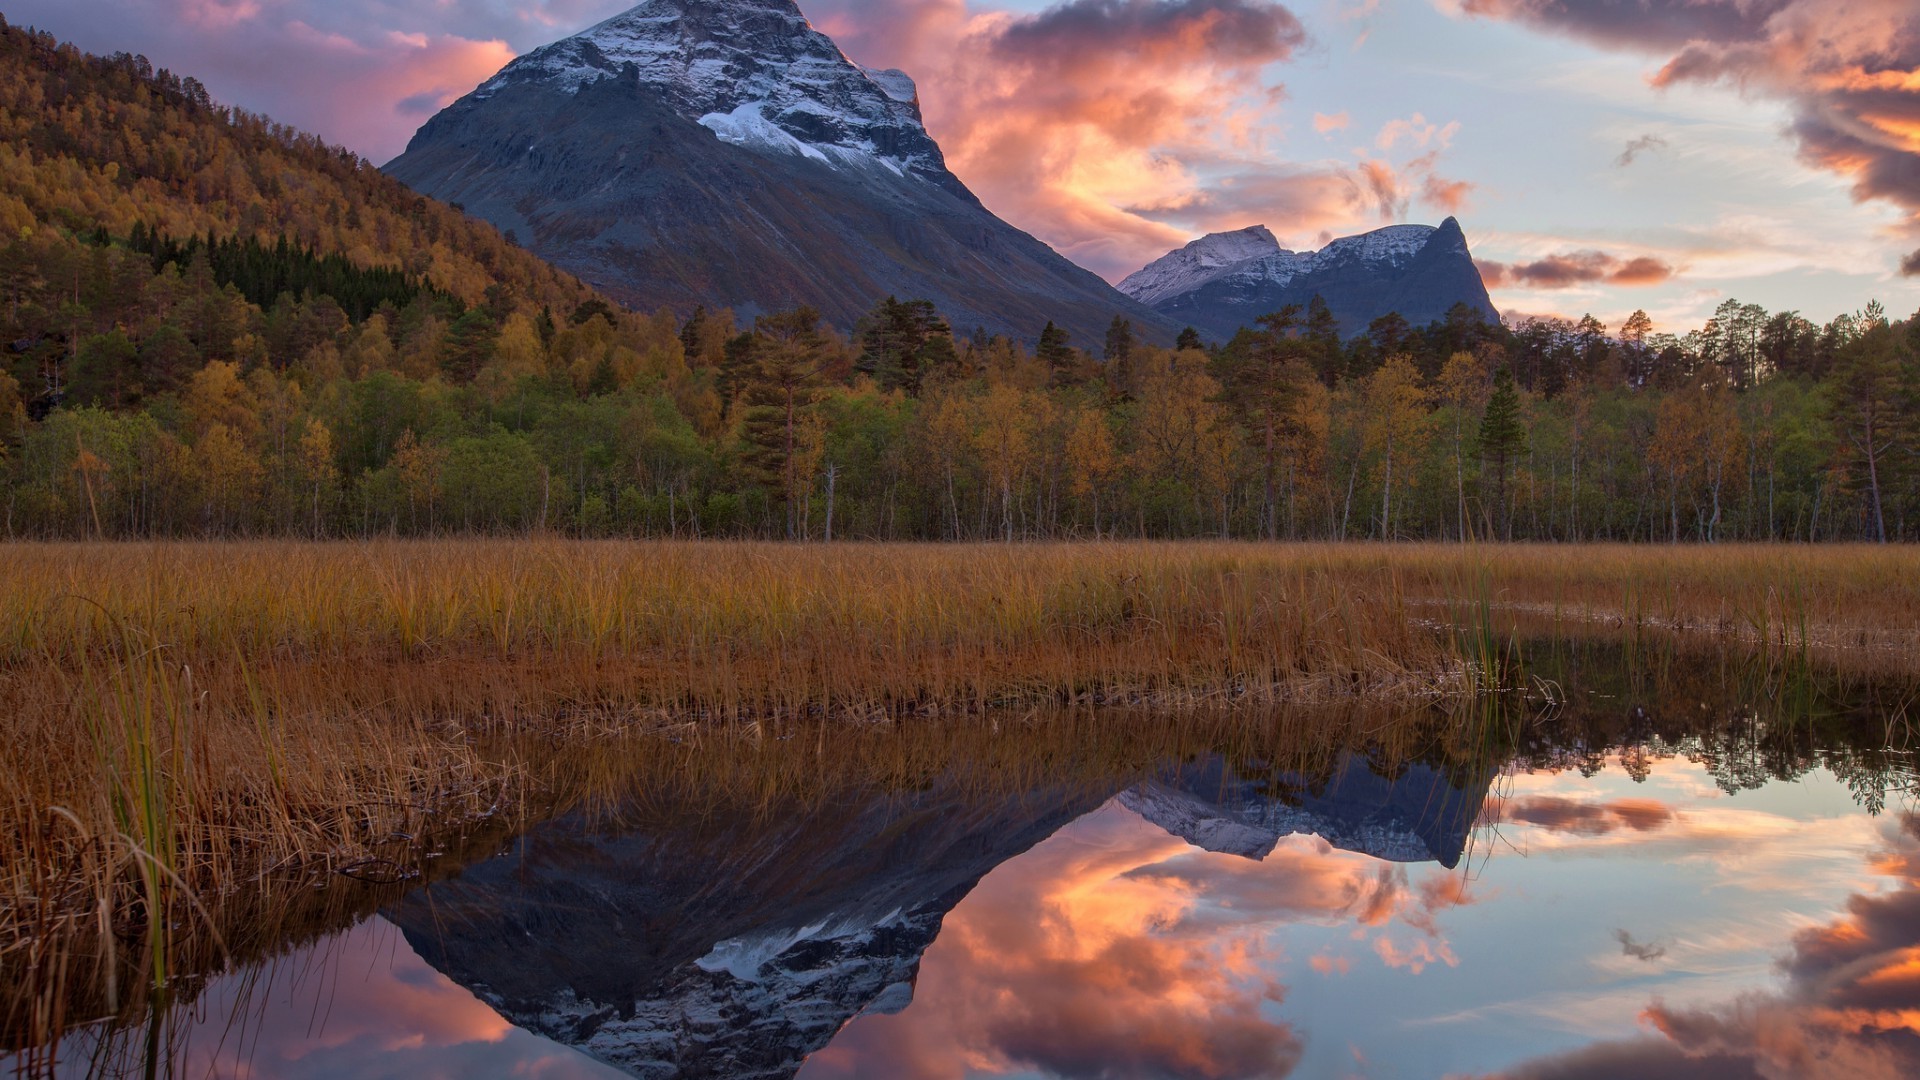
(1116, 129)
(1575, 268)
(1325, 124)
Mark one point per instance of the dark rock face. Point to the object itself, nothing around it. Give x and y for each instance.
(1418, 271)
(723, 152)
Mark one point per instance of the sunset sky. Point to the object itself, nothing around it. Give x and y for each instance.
(1603, 155)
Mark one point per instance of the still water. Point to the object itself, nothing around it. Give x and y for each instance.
(1725, 899)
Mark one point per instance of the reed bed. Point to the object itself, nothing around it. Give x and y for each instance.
(187, 724)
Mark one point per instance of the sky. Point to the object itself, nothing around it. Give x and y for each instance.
(1603, 156)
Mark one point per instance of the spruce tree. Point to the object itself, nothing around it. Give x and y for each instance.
(1056, 353)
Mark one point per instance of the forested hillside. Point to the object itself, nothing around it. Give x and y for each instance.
(214, 325)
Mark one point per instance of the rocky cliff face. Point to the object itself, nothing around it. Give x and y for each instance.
(1225, 281)
(724, 152)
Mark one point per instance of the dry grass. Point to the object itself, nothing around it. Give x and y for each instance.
(187, 721)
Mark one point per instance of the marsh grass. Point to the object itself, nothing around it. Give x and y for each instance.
(198, 732)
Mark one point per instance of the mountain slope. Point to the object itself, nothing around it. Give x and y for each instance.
(722, 152)
(102, 144)
(1225, 281)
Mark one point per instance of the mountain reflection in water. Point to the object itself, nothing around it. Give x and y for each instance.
(709, 945)
(1730, 899)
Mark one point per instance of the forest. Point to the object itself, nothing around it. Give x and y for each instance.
(212, 325)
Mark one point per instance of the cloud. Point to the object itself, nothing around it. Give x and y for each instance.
(1123, 952)
(1067, 120)
(1448, 195)
(1574, 269)
(1418, 130)
(1849, 70)
(1645, 951)
(1910, 266)
(1643, 144)
(1081, 965)
(1117, 129)
(1850, 1007)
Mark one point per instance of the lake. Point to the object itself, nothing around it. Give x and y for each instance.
(1708, 877)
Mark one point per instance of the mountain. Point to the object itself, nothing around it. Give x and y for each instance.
(1225, 281)
(726, 153)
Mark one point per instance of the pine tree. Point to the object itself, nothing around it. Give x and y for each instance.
(1055, 352)
(1188, 339)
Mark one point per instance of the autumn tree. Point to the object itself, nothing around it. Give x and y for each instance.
(1005, 438)
(1397, 428)
(1091, 458)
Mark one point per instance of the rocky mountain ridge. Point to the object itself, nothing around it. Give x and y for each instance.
(1225, 281)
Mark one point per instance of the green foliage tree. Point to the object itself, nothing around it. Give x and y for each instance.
(1503, 440)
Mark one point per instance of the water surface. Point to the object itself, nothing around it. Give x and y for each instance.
(1705, 894)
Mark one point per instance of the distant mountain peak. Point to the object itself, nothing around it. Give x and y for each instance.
(1225, 281)
(755, 73)
(1179, 271)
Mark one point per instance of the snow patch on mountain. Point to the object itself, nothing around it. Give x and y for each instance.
(1253, 256)
(755, 1008)
(754, 72)
(1199, 262)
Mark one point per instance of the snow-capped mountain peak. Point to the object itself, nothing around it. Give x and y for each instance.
(755, 73)
(1255, 254)
(1182, 270)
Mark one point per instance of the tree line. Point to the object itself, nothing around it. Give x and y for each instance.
(211, 324)
(146, 394)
